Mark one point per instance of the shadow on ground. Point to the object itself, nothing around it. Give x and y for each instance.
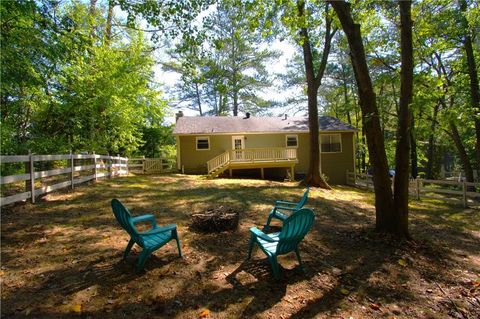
(62, 256)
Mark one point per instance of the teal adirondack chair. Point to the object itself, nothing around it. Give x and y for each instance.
(281, 208)
(150, 240)
(294, 229)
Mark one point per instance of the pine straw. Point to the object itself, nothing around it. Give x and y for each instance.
(62, 256)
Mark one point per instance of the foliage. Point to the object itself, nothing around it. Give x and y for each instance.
(71, 88)
(227, 73)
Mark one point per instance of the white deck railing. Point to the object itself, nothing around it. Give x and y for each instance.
(252, 155)
(218, 161)
(263, 155)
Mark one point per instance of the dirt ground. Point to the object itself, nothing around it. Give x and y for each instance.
(62, 257)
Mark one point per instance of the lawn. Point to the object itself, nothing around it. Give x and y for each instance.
(61, 258)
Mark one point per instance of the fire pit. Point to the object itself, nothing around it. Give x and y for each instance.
(216, 219)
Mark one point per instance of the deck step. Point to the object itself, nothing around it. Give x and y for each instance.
(218, 171)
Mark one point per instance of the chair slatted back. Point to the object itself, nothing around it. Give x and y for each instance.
(304, 199)
(294, 230)
(123, 216)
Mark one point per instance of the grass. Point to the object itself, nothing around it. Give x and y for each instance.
(62, 256)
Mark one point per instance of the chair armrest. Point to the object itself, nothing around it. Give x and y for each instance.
(162, 229)
(286, 208)
(258, 233)
(145, 218)
(281, 202)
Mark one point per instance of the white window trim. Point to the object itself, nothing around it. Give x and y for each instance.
(341, 144)
(202, 138)
(286, 140)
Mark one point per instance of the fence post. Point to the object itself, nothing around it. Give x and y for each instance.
(417, 187)
(118, 165)
(109, 167)
(95, 166)
(161, 165)
(126, 165)
(143, 164)
(31, 169)
(72, 169)
(464, 186)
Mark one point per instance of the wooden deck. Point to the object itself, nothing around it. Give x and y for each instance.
(254, 158)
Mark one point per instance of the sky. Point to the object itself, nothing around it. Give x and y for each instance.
(170, 79)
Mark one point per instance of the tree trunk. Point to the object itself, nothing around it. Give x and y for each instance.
(235, 102)
(108, 28)
(473, 75)
(314, 177)
(461, 151)
(370, 118)
(199, 101)
(91, 17)
(402, 151)
(345, 95)
(431, 143)
(413, 149)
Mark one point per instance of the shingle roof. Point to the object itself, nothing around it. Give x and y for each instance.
(224, 124)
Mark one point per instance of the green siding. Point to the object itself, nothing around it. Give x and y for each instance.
(335, 165)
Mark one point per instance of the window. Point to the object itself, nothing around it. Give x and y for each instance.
(292, 140)
(331, 143)
(203, 143)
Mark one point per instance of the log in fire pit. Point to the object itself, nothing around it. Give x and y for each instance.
(216, 219)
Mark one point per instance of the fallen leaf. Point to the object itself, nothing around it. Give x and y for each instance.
(77, 308)
(402, 262)
(2, 273)
(374, 306)
(344, 291)
(204, 314)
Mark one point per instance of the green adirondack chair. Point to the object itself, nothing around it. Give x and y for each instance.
(282, 208)
(294, 229)
(150, 240)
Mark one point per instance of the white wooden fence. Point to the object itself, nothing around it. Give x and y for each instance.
(74, 172)
(99, 166)
(453, 191)
(152, 165)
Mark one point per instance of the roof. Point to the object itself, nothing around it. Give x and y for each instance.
(224, 124)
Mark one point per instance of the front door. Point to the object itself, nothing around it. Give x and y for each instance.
(238, 144)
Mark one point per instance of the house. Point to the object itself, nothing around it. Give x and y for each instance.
(218, 144)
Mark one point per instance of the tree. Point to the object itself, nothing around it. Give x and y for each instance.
(101, 86)
(230, 66)
(441, 30)
(473, 77)
(314, 80)
(401, 182)
(388, 218)
(305, 29)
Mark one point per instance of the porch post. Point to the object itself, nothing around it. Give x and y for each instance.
(292, 169)
(262, 173)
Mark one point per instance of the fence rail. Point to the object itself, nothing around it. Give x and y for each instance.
(93, 167)
(454, 191)
(152, 165)
(99, 166)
